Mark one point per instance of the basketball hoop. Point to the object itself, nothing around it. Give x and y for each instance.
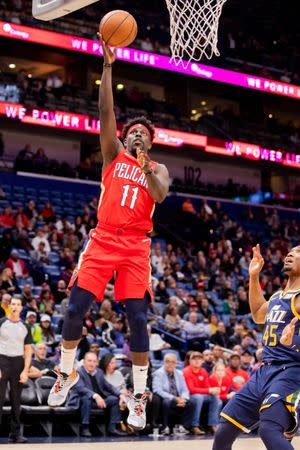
(194, 29)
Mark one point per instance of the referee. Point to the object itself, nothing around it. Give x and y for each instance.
(15, 359)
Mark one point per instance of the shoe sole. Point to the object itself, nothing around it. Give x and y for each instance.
(62, 401)
(135, 428)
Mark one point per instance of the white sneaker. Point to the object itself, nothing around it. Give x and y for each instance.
(137, 411)
(181, 430)
(61, 388)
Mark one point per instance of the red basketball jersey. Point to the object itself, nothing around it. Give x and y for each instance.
(125, 201)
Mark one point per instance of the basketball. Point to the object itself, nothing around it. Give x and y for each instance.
(118, 28)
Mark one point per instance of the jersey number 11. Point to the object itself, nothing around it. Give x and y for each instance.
(133, 196)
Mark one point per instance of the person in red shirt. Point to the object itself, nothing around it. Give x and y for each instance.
(6, 219)
(220, 379)
(238, 376)
(197, 382)
(17, 265)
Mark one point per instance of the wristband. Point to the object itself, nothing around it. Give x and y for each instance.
(149, 172)
(107, 65)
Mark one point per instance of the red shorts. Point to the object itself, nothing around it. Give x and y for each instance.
(115, 252)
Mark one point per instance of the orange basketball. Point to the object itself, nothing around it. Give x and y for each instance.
(118, 28)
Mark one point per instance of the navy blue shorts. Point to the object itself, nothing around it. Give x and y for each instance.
(267, 385)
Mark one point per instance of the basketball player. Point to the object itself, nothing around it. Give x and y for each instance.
(131, 185)
(269, 400)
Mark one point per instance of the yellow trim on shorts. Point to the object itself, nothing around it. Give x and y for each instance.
(264, 407)
(234, 422)
(293, 306)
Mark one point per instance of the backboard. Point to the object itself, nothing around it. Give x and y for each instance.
(52, 9)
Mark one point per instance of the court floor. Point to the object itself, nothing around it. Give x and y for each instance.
(137, 444)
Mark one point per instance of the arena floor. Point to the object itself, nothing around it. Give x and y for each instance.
(137, 444)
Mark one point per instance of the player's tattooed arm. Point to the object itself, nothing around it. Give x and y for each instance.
(110, 144)
(258, 303)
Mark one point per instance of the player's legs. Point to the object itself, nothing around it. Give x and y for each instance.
(136, 310)
(273, 423)
(225, 435)
(80, 302)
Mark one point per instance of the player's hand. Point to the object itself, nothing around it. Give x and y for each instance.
(288, 332)
(23, 377)
(257, 261)
(108, 52)
(143, 160)
(230, 395)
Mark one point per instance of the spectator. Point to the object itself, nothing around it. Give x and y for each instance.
(40, 257)
(4, 306)
(8, 282)
(31, 212)
(41, 365)
(219, 379)
(198, 384)
(161, 293)
(205, 309)
(7, 219)
(208, 361)
(46, 305)
(36, 331)
(17, 265)
(173, 320)
(39, 158)
(169, 384)
(48, 334)
(237, 337)
(258, 355)
(238, 376)
(196, 333)
(247, 361)
(157, 259)
(65, 303)
(114, 376)
(93, 391)
(218, 354)
(220, 337)
(30, 306)
(60, 292)
(48, 213)
(15, 359)
(40, 237)
(26, 293)
(156, 343)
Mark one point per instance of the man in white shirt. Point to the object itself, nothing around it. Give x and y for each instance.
(40, 237)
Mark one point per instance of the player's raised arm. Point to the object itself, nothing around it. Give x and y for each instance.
(258, 303)
(110, 144)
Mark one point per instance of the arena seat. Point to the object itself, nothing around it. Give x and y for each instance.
(32, 412)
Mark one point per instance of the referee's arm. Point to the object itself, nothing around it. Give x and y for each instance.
(27, 357)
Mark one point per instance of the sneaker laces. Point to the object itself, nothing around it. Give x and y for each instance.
(61, 379)
(139, 403)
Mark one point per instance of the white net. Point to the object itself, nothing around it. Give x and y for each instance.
(194, 29)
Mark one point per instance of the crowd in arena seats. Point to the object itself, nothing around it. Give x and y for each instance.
(203, 342)
(271, 51)
(220, 121)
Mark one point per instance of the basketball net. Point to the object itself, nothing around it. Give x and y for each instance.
(194, 29)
